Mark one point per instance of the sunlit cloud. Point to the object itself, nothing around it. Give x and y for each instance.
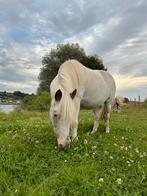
(128, 82)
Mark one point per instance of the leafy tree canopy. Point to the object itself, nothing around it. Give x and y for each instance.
(52, 61)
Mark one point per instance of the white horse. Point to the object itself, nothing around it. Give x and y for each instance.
(77, 85)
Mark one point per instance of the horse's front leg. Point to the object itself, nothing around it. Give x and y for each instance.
(73, 131)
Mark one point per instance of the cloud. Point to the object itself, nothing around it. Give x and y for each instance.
(29, 87)
(123, 82)
(113, 29)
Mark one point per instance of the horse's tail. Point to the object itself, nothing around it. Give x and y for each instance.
(103, 113)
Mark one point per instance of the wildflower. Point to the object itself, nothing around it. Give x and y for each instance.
(93, 147)
(119, 181)
(126, 148)
(36, 142)
(111, 157)
(122, 138)
(136, 150)
(115, 144)
(131, 154)
(101, 180)
(85, 141)
(122, 147)
(65, 161)
(15, 136)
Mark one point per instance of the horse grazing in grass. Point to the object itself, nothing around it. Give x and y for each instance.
(75, 85)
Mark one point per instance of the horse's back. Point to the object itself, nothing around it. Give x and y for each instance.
(100, 86)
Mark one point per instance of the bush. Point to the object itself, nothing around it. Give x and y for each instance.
(39, 102)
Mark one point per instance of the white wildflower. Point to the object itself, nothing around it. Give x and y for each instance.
(93, 147)
(85, 141)
(122, 147)
(136, 150)
(101, 180)
(65, 161)
(131, 154)
(111, 157)
(115, 144)
(119, 181)
(86, 154)
(126, 148)
(122, 138)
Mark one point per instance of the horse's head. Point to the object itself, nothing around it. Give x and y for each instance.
(61, 113)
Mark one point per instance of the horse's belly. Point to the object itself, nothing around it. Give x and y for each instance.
(90, 104)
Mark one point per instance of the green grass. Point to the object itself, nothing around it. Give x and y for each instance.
(100, 164)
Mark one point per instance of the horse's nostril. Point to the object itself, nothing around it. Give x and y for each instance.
(55, 115)
(60, 146)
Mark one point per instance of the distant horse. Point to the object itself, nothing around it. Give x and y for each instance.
(120, 101)
(77, 85)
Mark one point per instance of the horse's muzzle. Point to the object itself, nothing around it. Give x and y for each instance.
(60, 146)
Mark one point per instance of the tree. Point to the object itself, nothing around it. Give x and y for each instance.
(52, 61)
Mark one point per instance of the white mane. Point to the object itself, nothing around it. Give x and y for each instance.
(70, 77)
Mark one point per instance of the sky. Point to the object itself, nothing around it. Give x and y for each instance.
(115, 30)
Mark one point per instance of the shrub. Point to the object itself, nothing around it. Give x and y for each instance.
(39, 102)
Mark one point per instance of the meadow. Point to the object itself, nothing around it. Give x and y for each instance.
(100, 164)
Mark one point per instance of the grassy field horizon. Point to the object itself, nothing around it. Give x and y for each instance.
(99, 164)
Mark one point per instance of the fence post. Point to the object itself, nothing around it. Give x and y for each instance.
(135, 101)
(139, 99)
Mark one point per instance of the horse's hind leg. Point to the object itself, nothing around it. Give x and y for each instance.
(107, 115)
(96, 119)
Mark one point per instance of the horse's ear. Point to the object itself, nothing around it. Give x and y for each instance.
(73, 94)
(58, 95)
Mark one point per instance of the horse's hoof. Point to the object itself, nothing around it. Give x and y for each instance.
(75, 139)
(93, 132)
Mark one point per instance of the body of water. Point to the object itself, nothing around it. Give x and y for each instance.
(7, 108)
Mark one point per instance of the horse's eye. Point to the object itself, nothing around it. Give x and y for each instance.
(55, 115)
